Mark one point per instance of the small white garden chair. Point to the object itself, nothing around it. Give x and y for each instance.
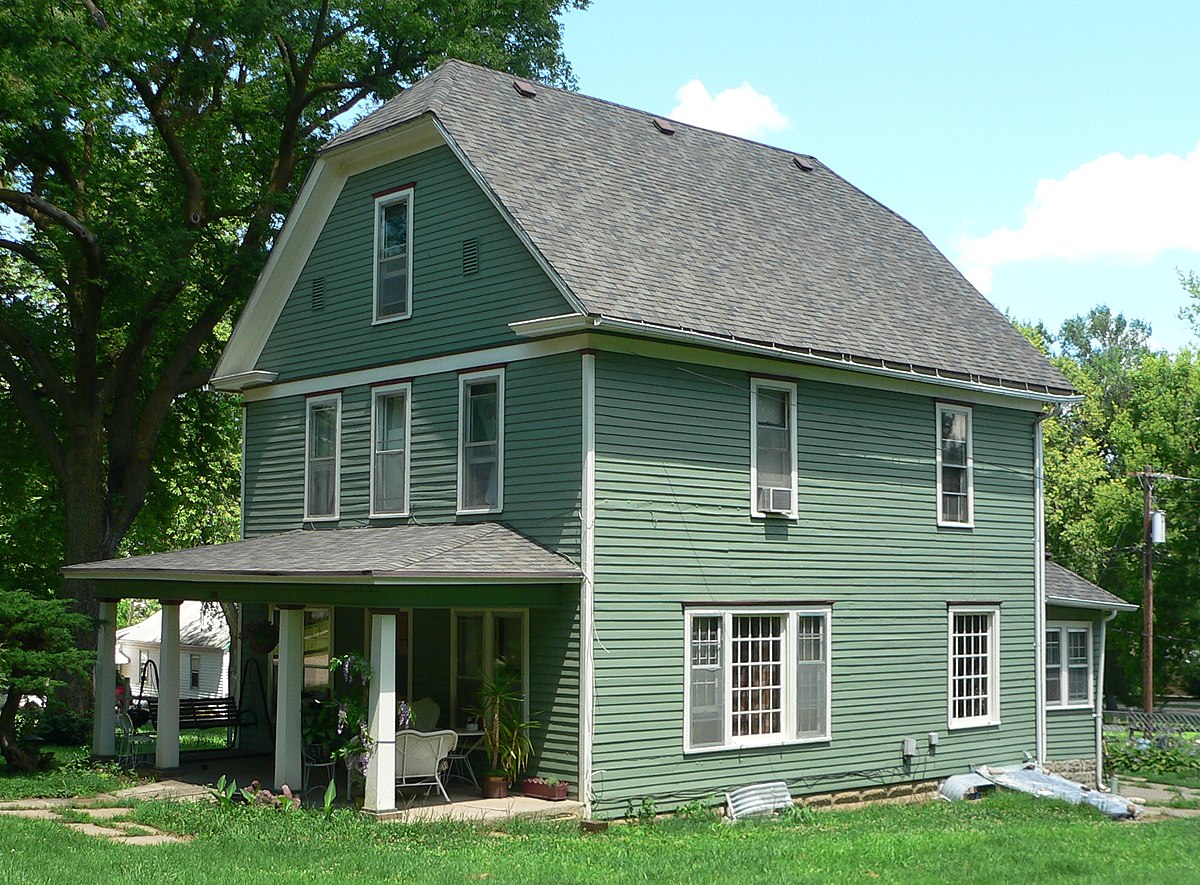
(135, 746)
(421, 758)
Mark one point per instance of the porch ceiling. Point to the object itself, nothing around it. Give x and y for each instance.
(366, 558)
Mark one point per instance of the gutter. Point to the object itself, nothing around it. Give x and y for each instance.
(1099, 714)
(1039, 581)
(1070, 602)
(558, 325)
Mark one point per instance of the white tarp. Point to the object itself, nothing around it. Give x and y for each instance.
(1029, 779)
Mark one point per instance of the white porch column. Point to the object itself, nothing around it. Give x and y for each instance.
(381, 773)
(166, 747)
(288, 762)
(104, 685)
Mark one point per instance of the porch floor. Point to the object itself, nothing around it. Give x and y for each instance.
(199, 771)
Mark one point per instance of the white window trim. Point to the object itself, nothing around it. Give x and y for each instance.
(790, 613)
(376, 393)
(937, 441)
(1064, 679)
(464, 380)
(757, 384)
(380, 204)
(309, 405)
(993, 717)
(489, 649)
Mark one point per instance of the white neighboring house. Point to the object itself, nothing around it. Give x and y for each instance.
(203, 652)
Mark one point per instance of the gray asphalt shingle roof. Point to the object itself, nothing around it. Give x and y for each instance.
(199, 627)
(479, 551)
(1064, 584)
(705, 232)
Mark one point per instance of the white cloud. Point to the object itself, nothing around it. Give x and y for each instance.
(1131, 208)
(739, 111)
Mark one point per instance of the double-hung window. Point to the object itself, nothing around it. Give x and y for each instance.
(393, 256)
(755, 677)
(1068, 665)
(955, 480)
(389, 450)
(974, 667)
(772, 447)
(193, 671)
(481, 442)
(322, 451)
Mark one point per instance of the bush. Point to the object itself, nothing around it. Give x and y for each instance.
(1143, 755)
(59, 725)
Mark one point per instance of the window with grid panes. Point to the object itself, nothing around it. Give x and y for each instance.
(756, 677)
(974, 666)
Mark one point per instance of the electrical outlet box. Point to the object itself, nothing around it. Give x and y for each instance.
(909, 748)
(933, 739)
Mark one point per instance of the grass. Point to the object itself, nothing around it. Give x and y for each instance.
(985, 841)
(72, 775)
(1169, 778)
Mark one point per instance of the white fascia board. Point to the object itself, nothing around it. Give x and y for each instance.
(338, 578)
(1097, 605)
(242, 381)
(1031, 400)
(543, 263)
(304, 224)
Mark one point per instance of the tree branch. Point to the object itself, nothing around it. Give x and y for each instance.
(193, 186)
(39, 261)
(27, 401)
(47, 375)
(41, 211)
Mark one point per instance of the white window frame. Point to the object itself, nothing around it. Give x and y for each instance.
(937, 433)
(790, 614)
(273, 611)
(381, 203)
(1064, 680)
(993, 714)
(464, 381)
(376, 394)
(489, 651)
(310, 404)
(195, 667)
(757, 384)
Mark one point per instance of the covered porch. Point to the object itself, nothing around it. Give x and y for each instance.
(431, 607)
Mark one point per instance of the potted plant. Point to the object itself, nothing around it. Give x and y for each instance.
(550, 788)
(505, 731)
(261, 635)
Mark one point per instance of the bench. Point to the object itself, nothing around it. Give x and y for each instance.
(757, 799)
(201, 713)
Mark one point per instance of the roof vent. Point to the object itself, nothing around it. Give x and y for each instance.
(804, 164)
(318, 293)
(524, 88)
(664, 126)
(470, 256)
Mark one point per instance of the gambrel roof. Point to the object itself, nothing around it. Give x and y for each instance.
(713, 235)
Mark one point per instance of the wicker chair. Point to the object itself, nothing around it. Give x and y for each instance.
(421, 758)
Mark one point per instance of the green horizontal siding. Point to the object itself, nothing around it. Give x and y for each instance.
(450, 311)
(1071, 734)
(673, 527)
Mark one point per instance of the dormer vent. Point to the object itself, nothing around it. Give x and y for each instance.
(664, 126)
(470, 256)
(318, 293)
(804, 164)
(524, 88)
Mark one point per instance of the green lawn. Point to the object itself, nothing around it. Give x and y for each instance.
(1171, 778)
(1004, 838)
(72, 776)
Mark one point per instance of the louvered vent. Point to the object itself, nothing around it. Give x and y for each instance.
(470, 256)
(318, 293)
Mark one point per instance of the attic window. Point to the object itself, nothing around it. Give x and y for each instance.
(524, 88)
(664, 126)
(804, 164)
(318, 293)
(470, 256)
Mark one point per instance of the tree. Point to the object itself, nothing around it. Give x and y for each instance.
(148, 153)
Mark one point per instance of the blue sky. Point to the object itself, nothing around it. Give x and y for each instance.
(1051, 150)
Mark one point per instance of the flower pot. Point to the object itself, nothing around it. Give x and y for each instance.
(537, 788)
(495, 787)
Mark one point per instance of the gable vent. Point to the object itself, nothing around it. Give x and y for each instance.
(318, 293)
(524, 88)
(804, 164)
(470, 256)
(664, 126)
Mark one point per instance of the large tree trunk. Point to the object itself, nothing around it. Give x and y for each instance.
(18, 757)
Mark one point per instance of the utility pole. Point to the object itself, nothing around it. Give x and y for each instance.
(1147, 477)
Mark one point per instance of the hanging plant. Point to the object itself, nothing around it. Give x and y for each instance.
(262, 636)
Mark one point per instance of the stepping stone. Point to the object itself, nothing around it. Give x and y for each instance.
(108, 813)
(152, 839)
(94, 830)
(30, 813)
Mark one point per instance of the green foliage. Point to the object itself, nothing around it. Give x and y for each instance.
(61, 725)
(71, 774)
(329, 798)
(506, 734)
(1149, 757)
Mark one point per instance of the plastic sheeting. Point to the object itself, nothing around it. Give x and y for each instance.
(963, 786)
(1030, 779)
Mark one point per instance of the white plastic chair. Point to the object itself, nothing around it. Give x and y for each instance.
(421, 758)
(135, 746)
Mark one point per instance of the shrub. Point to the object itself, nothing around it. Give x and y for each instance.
(59, 725)
(1143, 755)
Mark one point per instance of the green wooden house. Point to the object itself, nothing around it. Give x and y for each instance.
(719, 452)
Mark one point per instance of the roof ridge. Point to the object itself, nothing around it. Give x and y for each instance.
(411, 560)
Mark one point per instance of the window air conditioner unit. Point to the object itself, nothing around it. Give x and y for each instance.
(774, 499)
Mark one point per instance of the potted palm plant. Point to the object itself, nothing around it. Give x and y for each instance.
(506, 733)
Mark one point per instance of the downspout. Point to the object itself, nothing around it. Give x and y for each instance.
(1099, 714)
(587, 551)
(1039, 615)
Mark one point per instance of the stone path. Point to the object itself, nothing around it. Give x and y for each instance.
(1153, 799)
(101, 819)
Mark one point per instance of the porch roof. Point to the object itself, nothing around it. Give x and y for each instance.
(1065, 588)
(477, 552)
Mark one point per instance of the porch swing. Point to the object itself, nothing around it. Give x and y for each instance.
(202, 713)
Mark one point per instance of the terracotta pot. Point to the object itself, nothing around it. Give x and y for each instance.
(495, 787)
